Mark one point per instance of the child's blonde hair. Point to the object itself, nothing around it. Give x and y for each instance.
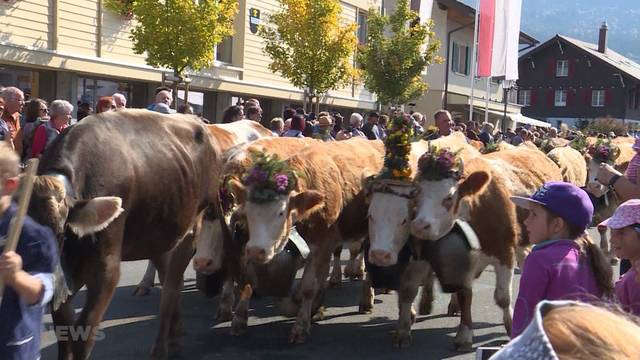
(589, 332)
(9, 162)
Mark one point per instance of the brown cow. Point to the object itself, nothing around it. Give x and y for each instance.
(124, 185)
(327, 207)
(227, 136)
(484, 188)
(571, 163)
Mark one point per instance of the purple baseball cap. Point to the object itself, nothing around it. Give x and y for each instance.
(563, 199)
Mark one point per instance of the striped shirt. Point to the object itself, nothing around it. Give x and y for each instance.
(634, 164)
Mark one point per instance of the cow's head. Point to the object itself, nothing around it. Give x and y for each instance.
(53, 203)
(442, 187)
(270, 221)
(603, 151)
(210, 241)
(391, 206)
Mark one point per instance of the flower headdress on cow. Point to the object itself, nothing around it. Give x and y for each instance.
(490, 148)
(439, 164)
(580, 144)
(268, 178)
(397, 149)
(604, 151)
(546, 146)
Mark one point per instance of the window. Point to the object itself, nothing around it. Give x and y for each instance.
(562, 68)
(561, 98)
(524, 97)
(224, 50)
(460, 59)
(597, 98)
(362, 27)
(512, 96)
(91, 90)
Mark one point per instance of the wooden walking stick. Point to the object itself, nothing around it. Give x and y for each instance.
(15, 227)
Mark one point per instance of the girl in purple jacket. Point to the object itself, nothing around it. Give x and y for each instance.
(564, 262)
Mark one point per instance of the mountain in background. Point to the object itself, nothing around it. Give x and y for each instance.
(581, 19)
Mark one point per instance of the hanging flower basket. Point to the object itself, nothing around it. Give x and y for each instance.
(123, 8)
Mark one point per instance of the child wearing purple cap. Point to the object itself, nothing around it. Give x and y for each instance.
(564, 262)
(625, 241)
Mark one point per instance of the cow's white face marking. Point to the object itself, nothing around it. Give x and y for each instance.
(593, 186)
(269, 225)
(435, 209)
(389, 224)
(209, 247)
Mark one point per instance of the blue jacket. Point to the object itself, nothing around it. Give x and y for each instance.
(21, 323)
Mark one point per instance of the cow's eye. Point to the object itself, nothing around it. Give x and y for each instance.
(281, 213)
(447, 203)
(404, 221)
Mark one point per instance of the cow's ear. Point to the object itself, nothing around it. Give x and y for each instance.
(367, 186)
(474, 183)
(91, 216)
(306, 202)
(238, 190)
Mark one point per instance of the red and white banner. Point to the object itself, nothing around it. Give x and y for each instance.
(498, 35)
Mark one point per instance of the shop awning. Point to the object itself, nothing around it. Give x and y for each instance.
(521, 119)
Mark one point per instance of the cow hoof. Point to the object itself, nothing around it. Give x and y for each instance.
(142, 290)
(159, 352)
(413, 316)
(224, 315)
(401, 339)
(365, 308)
(298, 335)
(319, 315)
(238, 326)
(453, 309)
(464, 347)
(463, 342)
(425, 308)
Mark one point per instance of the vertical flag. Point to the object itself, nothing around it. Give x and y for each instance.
(498, 35)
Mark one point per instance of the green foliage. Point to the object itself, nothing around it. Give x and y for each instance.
(393, 60)
(605, 126)
(308, 46)
(181, 34)
(120, 7)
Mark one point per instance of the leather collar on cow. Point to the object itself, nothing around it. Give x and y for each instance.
(386, 186)
(68, 188)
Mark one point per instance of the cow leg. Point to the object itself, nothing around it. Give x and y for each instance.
(62, 322)
(366, 300)
(170, 326)
(464, 338)
(241, 315)
(355, 266)
(101, 284)
(426, 299)
(313, 277)
(336, 274)
(522, 251)
(147, 282)
(502, 294)
(409, 285)
(227, 298)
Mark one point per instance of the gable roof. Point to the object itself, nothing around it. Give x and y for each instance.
(612, 58)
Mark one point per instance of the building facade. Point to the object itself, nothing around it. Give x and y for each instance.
(569, 81)
(78, 50)
(450, 82)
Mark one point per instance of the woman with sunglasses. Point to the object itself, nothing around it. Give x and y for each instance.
(36, 113)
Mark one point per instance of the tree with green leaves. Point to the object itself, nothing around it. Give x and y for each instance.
(309, 47)
(181, 34)
(398, 50)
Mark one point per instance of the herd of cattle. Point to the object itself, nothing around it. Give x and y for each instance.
(135, 184)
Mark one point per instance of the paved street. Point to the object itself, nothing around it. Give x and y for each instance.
(130, 326)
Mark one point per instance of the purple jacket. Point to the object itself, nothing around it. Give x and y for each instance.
(628, 292)
(553, 271)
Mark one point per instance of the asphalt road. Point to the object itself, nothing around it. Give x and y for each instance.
(130, 326)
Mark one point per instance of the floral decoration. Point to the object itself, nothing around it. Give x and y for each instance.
(604, 151)
(397, 148)
(546, 146)
(268, 178)
(489, 148)
(121, 7)
(580, 144)
(439, 164)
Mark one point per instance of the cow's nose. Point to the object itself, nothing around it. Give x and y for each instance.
(201, 264)
(256, 253)
(380, 257)
(419, 226)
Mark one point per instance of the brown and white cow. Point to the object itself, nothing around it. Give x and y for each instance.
(571, 163)
(121, 186)
(227, 136)
(327, 207)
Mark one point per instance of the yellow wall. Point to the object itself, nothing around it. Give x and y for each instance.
(115, 41)
(26, 23)
(77, 27)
